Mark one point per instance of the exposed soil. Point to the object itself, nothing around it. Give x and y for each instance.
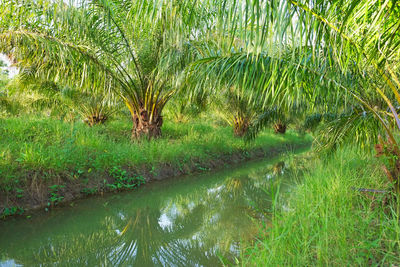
(37, 191)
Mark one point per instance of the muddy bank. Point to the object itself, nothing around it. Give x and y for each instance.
(60, 188)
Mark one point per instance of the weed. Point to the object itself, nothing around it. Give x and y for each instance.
(200, 168)
(55, 196)
(19, 192)
(89, 191)
(77, 174)
(123, 181)
(11, 211)
(153, 171)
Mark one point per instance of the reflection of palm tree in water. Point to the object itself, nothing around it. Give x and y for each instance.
(145, 242)
(201, 225)
(141, 238)
(202, 221)
(141, 242)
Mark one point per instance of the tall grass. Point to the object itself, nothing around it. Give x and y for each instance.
(325, 222)
(34, 143)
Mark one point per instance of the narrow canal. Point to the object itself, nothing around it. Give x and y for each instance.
(188, 221)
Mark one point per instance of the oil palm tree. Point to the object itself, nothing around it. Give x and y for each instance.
(36, 95)
(234, 108)
(350, 46)
(134, 49)
(364, 37)
(241, 84)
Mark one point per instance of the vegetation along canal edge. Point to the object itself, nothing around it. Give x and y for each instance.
(33, 193)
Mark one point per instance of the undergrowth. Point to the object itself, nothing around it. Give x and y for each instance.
(52, 145)
(324, 221)
(56, 158)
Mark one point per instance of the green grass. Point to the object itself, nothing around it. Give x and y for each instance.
(49, 145)
(324, 222)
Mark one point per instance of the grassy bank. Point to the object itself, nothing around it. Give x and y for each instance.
(45, 161)
(324, 222)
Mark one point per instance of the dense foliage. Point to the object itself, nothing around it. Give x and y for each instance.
(88, 67)
(257, 64)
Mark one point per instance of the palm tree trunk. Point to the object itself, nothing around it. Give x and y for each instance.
(240, 126)
(146, 125)
(95, 119)
(280, 128)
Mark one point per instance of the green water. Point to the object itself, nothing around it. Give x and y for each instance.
(188, 221)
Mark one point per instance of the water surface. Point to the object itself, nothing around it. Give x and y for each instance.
(188, 221)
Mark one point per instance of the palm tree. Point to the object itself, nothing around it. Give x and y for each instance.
(134, 49)
(241, 85)
(351, 29)
(352, 47)
(37, 95)
(237, 110)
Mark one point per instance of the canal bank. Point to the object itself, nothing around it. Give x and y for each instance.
(196, 220)
(45, 187)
